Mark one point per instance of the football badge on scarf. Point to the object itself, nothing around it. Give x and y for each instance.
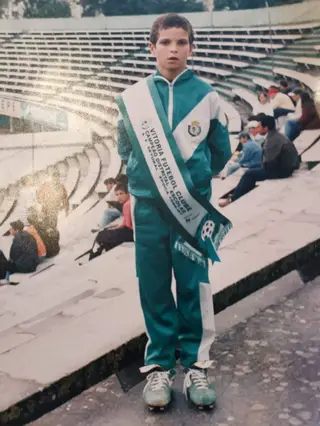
(194, 128)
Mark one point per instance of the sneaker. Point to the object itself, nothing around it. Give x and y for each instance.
(198, 390)
(157, 393)
(5, 282)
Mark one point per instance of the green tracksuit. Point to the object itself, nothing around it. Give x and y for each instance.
(199, 128)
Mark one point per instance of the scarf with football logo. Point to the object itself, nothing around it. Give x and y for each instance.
(201, 227)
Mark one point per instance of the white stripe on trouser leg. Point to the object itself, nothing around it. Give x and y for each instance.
(132, 207)
(208, 327)
(147, 344)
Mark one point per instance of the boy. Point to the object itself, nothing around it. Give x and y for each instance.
(115, 235)
(191, 113)
(113, 210)
(251, 155)
(111, 213)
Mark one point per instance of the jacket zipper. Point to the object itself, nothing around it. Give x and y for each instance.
(170, 105)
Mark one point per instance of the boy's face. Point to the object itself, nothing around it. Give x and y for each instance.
(253, 131)
(296, 97)
(172, 49)
(243, 140)
(122, 196)
(13, 232)
(109, 186)
(262, 130)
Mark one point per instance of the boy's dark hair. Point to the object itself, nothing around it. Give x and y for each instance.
(17, 225)
(274, 87)
(110, 181)
(122, 178)
(170, 20)
(284, 83)
(121, 187)
(268, 121)
(257, 117)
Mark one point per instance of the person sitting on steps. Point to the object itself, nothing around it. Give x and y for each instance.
(23, 253)
(114, 208)
(114, 235)
(280, 160)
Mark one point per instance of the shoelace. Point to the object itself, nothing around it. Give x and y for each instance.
(159, 380)
(198, 378)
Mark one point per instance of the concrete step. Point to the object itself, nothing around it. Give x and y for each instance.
(247, 84)
(227, 84)
(117, 401)
(224, 92)
(257, 73)
(307, 41)
(265, 66)
(282, 64)
(279, 57)
(311, 38)
(297, 52)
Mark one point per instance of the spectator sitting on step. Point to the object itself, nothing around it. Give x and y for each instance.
(115, 235)
(295, 95)
(284, 87)
(280, 102)
(23, 253)
(264, 105)
(250, 157)
(114, 208)
(308, 120)
(280, 160)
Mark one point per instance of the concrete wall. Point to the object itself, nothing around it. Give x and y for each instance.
(27, 140)
(13, 106)
(301, 12)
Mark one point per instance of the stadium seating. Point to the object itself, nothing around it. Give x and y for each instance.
(308, 80)
(308, 62)
(82, 71)
(247, 96)
(306, 139)
(312, 155)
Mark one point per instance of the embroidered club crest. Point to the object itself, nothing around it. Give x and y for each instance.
(194, 128)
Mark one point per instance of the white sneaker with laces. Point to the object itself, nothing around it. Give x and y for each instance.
(197, 388)
(157, 393)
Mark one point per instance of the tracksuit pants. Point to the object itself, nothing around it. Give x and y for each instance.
(187, 323)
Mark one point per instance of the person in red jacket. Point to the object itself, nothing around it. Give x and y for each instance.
(309, 119)
(115, 235)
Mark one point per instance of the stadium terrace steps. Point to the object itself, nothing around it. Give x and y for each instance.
(73, 175)
(67, 297)
(312, 155)
(89, 300)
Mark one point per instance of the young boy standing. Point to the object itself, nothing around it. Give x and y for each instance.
(173, 137)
